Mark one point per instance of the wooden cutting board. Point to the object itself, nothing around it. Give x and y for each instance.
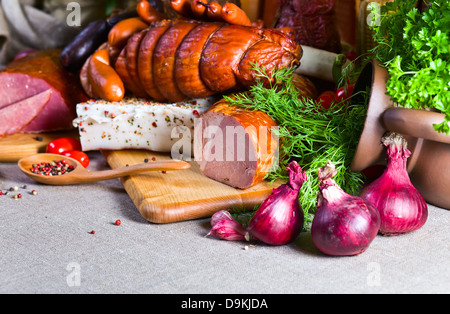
(160, 198)
(16, 146)
(181, 195)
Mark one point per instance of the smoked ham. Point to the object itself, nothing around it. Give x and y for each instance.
(234, 146)
(38, 95)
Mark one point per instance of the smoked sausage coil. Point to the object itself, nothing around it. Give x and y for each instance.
(105, 81)
(182, 7)
(233, 14)
(122, 31)
(148, 13)
(132, 53)
(175, 60)
(164, 59)
(214, 11)
(187, 75)
(145, 60)
(122, 70)
(198, 59)
(198, 8)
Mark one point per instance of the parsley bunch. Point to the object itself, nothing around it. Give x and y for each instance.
(414, 47)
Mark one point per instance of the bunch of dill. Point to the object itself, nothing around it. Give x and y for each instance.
(308, 133)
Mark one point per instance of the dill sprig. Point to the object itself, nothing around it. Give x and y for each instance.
(308, 133)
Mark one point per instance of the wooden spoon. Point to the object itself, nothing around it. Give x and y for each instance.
(82, 175)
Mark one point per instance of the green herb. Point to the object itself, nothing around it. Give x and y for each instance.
(414, 46)
(308, 133)
(110, 5)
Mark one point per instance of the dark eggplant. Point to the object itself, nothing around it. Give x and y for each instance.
(75, 54)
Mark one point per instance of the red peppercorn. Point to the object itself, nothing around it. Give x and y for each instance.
(118, 222)
(19, 195)
(92, 232)
(1, 193)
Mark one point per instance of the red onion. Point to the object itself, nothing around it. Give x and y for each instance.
(402, 208)
(343, 224)
(280, 217)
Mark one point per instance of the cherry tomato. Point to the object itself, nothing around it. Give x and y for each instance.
(62, 145)
(344, 93)
(351, 55)
(326, 99)
(78, 155)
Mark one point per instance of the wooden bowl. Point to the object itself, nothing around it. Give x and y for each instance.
(428, 165)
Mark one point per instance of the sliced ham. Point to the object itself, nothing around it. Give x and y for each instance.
(24, 87)
(14, 117)
(235, 147)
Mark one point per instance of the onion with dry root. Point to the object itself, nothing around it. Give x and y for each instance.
(343, 224)
(402, 208)
(278, 220)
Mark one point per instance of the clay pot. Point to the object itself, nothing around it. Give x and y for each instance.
(429, 164)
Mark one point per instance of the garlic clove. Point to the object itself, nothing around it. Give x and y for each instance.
(230, 230)
(220, 215)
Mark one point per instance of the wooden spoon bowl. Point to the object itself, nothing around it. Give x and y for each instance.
(83, 175)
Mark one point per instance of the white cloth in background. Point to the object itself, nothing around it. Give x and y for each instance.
(25, 26)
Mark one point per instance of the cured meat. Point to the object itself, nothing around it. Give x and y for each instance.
(221, 56)
(313, 20)
(235, 146)
(164, 60)
(16, 116)
(24, 87)
(145, 64)
(176, 60)
(188, 76)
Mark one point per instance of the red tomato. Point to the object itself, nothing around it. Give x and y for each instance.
(351, 55)
(78, 155)
(344, 93)
(62, 145)
(326, 99)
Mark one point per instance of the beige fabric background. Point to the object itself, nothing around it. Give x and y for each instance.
(34, 24)
(43, 237)
(42, 24)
